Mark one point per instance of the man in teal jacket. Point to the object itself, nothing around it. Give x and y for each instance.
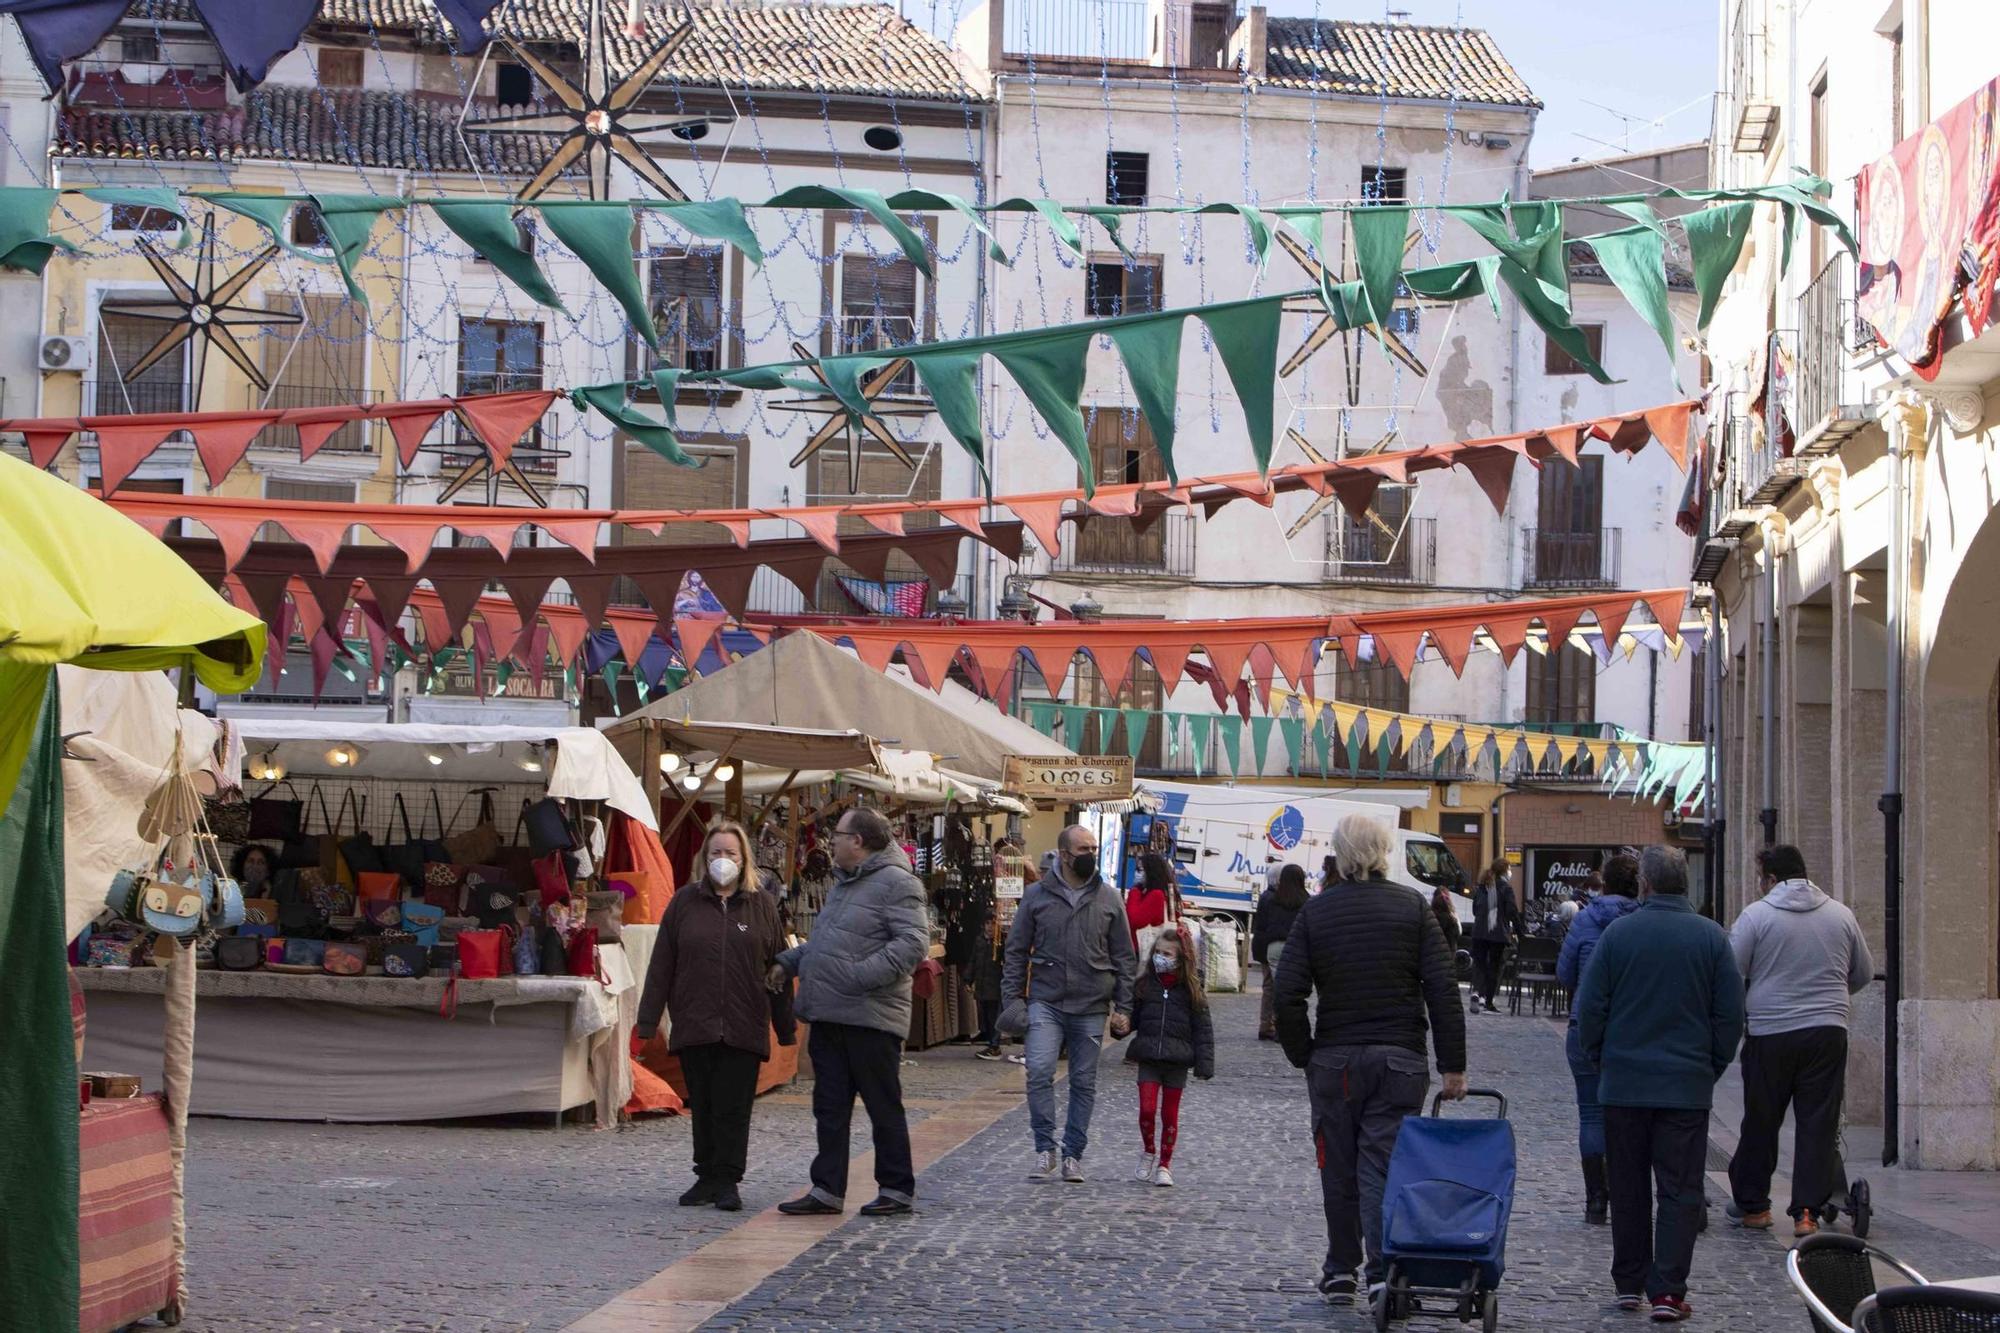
(1660, 1014)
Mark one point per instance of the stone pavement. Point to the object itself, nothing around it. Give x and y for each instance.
(508, 1227)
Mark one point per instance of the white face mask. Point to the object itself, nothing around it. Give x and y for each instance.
(1165, 962)
(723, 871)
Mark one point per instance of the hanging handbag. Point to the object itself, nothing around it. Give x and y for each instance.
(479, 954)
(239, 953)
(552, 879)
(273, 817)
(332, 856)
(589, 849)
(406, 858)
(421, 920)
(547, 826)
(476, 845)
(299, 849)
(228, 816)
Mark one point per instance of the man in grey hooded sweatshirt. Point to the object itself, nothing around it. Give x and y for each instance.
(1801, 955)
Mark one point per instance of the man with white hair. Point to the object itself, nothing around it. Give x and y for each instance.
(1373, 952)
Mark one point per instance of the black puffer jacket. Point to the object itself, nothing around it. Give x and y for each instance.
(1272, 925)
(1168, 1030)
(1374, 953)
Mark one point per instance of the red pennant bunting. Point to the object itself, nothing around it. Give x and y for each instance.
(311, 617)
(1227, 659)
(634, 633)
(737, 528)
(1170, 660)
(460, 596)
(1357, 492)
(1509, 634)
(320, 535)
(1054, 664)
(1454, 644)
(1493, 469)
(46, 441)
(1669, 426)
(391, 596)
(1390, 467)
(568, 632)
(695, 633)
(1559, 623)
(822, 525)
(1263, 668)
(1399, 646)
(936, 657)
(313, 434)
(123, 443)
(414, 539)
(332, 595)
(538, 654)
(1667, 608)
(964, 515)
(1295, 658)
(437, 624)
(410, 422)
(501, 419)
(1044, 519)
(938, 559)
(527, 592)
(503, 624)
(324, 646)
(221, 443)
(889, 521)
(1611, 616)
(1114, 664)
(996, 665)
(877, 650)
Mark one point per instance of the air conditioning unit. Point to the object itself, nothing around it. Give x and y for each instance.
(58, 351)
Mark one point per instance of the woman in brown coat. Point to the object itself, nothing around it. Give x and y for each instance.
(718, 938)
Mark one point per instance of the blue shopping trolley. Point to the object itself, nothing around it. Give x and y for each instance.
(1444, 1215)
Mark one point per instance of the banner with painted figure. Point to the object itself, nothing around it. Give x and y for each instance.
(1930, 230)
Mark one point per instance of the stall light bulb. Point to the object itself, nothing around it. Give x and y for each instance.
(723, 772)
(433, 758)
(343, 756)
(670, 763)
(532, 760)
(274, 772)
(691, 782)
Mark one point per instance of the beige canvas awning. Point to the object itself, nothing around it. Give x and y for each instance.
(773, 747)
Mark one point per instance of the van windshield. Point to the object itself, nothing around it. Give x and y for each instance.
(1432, 863)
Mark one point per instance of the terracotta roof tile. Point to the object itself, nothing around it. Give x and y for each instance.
(1399, 59)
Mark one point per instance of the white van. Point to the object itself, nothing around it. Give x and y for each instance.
(1224, 838)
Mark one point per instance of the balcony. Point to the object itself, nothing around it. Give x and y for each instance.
(1162, 34)
(1551, 559)
(148, 85)
(1755, 123)
(1830, 333)
(1368, 551)
(1163, 549)
(351, 440)
(122, 398)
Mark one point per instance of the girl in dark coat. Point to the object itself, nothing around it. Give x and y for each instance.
(1171, 1037)
(1269, 930)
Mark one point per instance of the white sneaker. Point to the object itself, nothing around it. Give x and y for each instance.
(1045, 1166)
(1073, 1170)
(1147, 1161)
(1162, 1176)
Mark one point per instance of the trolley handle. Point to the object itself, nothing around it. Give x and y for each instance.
(1437, 1102)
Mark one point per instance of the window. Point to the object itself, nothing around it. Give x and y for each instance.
(1122, 452)
(1126, 178)
(140, 220)
(1371, 685)
(1118, 287)
(1569, 546)
(308, 232)
(322, 362)
(122, 340)
(878, 308)
(1562, 685)
(513, 85)
(1385, 185)
(883, 477)
(1697, 699)
(1379, 544)
(1556, 361)
(339, 67)
(498, 356)
(882, 139)
(138, 47)
(648, 481)
(1816, 155)
(317, 492)
(686, 297)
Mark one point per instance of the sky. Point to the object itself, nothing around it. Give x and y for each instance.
(1653, 67)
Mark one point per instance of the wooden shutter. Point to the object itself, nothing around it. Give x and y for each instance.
(651, 482)
(121, 341)
(327, 367)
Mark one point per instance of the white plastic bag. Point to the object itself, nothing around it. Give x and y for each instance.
(1222, 965)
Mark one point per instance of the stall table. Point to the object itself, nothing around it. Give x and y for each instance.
(286, 1046)
(125, 1223)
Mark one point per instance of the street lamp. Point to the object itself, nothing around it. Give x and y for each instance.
(950, 606)
(1015, 604)
(1086, 607)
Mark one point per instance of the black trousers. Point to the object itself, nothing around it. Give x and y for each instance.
(722, 1087)
(1486, 958)
(851, 1061)
(1651, 1151)
(1807, 1071)
(989, 1020)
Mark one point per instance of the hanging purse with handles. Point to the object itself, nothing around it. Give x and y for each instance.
(228, 816)
(404, 859)
(300, 847)
(276, 818)
(353, 849)
(476, 845)
(547, 826)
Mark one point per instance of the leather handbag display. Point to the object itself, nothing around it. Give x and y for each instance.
(552, 878)
(529, 955)
(479, 954)
(421, 920)
(547, 826)
(382, 913)
(444, 884)
(239, 953)
(372, 886)
(305, 953)
(406, 960)
(477, 844)
(583, 961)
(228, 816)
(273, 817)
(346, 958)
(300, 848)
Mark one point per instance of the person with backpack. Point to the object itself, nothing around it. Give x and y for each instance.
(1276, 911)
(1172, 1036)
(1496, 920)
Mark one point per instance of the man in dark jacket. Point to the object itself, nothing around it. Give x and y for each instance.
(1659, 1014)
(1069, 953)
(1620, 897)
(854, 989)
(1373, 952)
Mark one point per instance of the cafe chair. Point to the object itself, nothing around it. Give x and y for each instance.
(1936, 1307)
(1835, 1273)
(1534, 975)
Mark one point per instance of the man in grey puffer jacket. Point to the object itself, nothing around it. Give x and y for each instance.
(1070, 955)
(854, 989)
(1801, 955)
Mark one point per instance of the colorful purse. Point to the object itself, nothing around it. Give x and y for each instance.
(583, 960)
(421, 920)
(378, 886)
(406, 960)
(444, 884)
(305, 953)
(112, 951)
(382, 912)
(552, 878)
(239, 953)
(345, 958)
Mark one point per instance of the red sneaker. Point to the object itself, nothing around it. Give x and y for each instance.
(1670, 1309)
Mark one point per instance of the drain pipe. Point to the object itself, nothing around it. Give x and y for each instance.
(1907, 420)
(1715, 822)
(1767, 688)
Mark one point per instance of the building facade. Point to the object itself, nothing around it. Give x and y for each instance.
(1848, 541)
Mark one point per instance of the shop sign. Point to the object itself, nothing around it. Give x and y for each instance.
(1069, 777)
(1008, 886)
(1555, 873)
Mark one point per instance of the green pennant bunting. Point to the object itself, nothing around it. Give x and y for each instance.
(1378, 255)
(1636, 262)
(1199, 725)
(600, 234)
(1246, 338)
(163, 198)
(25, 240)
(1073, 717)
(1067, 234)
(1293, 729)
(843, 379)
(1042, 717)
(1260, 741)
(1322, 741)
(1050, 371)
(609, 402)
(1231, 727)
(714, 219)
(272, 212)
(1715, 239)
(349, 219)
(951, 379)
(1107, 729)
(609, 674)
(1107, 218)
(870, 202)
(909, 201)
(490, 230)
(1152, 356)
(1136, 720)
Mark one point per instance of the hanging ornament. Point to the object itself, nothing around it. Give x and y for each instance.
(203, 312)
(595, 118)
(1328, 328)
(842, 423)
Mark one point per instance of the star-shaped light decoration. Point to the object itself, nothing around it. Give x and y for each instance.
(1325, 331)
(205, 312)
(1322, 503)
(595, 119)
(839, 419)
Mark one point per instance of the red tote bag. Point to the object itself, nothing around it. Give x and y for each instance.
(479, 953)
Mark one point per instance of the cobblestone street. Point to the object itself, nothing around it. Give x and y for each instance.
(515, 1227)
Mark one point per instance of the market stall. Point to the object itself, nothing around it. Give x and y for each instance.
(405, 831)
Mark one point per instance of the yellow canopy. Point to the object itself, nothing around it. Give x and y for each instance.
(80, 582)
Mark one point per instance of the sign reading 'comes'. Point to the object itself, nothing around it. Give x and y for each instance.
(1069, 777)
